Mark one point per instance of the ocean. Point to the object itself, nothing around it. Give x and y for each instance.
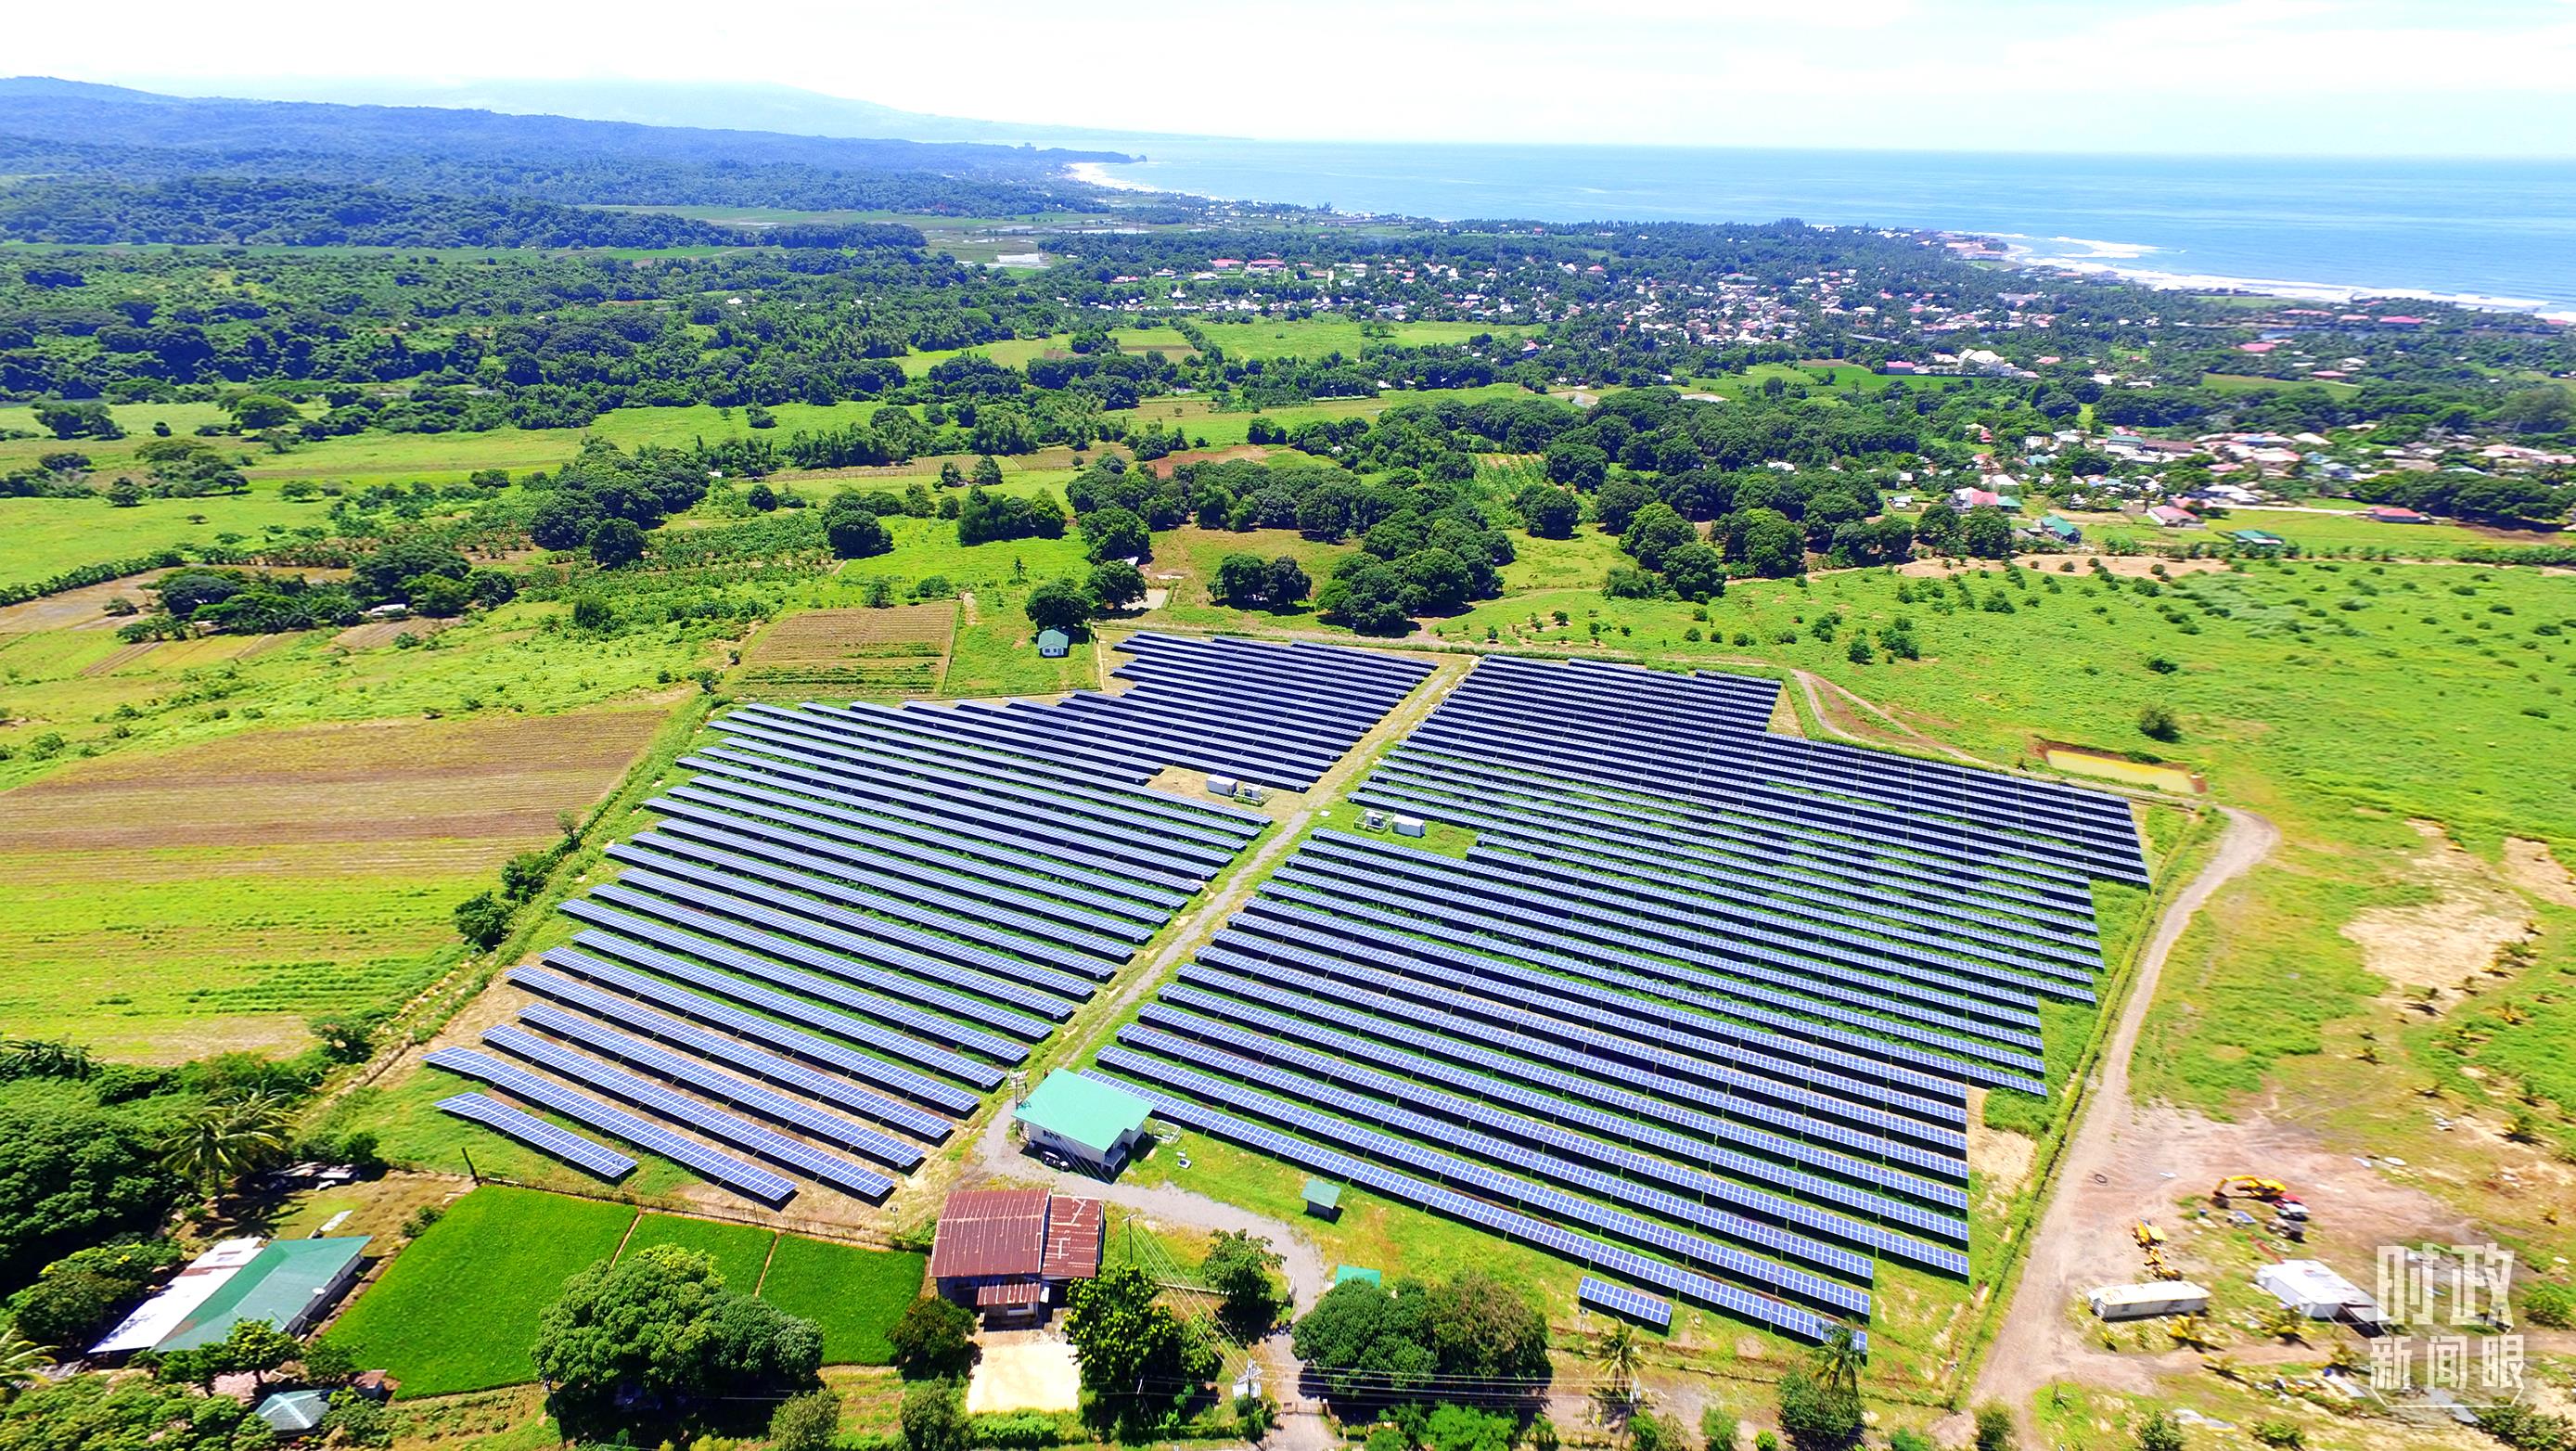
(2489, 233)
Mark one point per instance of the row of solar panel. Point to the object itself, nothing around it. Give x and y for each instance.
(1621, 1301)
(1699, 1076)
(1564, 897)
(1785, 861)
(756, 1184)
(1898, 1081)
(1498, 1186)
(1995, 797)
(991, 780)
(1647, 745)
(1180, 864)
(1495, 733)
(1776, 1002)
(1758, 903)
(1252, 1059)
(1991, 797)
(1468, 1054)
(1511, 1223)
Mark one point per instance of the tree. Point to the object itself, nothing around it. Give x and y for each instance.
(658, 1331)
(222, 1140)
(1994, 1427)
(1550, 513)
(933, 1420)
(254, 1348)
(1242, 580)
(1366, 1342)
(2160, 1432)
(1575, 464)
(328, 1361)
(1767, 542)
(1433, 581)
(1815, 1416)
(1480, 1326)
(1695, 571)
(2157, 723)
(1987, 534)
(616, 542)
(988, 472)
(1115, 533)
(808, 1422)
(1238, 1266)
(20, 1361)
(853, 530)
(69, 1309)
(1060, 604)
(1619, 501)
(1133, 1352)
(1368, 595)
(1288, 582)
(1116, 584)
(1619, 1362)
(44, 1058)
(1655, 531)
(262, 410)
(72, 1175)
(483, 919)
(933, 1337)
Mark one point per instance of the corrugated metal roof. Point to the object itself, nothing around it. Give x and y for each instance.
(1074, 1230)
(987, 1232)
(279, 1285)
(1009, 1292)
(1084, 1110)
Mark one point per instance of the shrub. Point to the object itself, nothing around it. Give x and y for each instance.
(1994, 1428)
(2550, 1303)
(1717, 1428)
(2157, 723)
(810, 1422)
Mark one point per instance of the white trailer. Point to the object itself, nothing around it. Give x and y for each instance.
(2156, 1297)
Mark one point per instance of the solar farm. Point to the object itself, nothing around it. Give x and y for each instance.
(1692, 1007)
(851, 923)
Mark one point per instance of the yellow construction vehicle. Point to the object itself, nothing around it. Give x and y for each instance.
(2147, 1236)
(2249, 1186)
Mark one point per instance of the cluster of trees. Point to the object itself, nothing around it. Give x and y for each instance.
(1247, 581)
(657, 1337)
(605, 499)
(1469, 1336)
(417, 571)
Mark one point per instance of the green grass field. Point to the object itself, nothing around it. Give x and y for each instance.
(1316, 336)
(457, 1310)
(40, 538)
(741, 1251)
(2339, 531)
(855, 1295)
(2249, 383)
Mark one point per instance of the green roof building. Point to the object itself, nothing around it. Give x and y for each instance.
(2257, 539)
(1323, 1199)
(1085, 1120)
(2060, 529)
(1054, 644)
(1344, 1274)
(289, 1284)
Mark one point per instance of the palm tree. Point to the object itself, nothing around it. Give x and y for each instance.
(1838, 1358)
(44, 1058)
(2222, 1366)
(2285, 1325)
(1619, 1360)
(226, 1139)
(20, 1360)
(2190, 1331)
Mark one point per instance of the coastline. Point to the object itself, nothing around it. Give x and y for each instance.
(2142, 264)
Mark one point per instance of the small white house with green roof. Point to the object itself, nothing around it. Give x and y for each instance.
(1094, 1124)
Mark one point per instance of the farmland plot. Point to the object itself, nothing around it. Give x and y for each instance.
(850, 653)
(164, 905)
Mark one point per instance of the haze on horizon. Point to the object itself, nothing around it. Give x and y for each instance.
(2278, 77)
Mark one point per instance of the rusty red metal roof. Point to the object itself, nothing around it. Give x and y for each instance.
(988, 1232)
(1009, 1292)
(1073, 1235)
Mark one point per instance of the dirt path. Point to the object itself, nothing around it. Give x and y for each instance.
(2096, 1186)
(1808, 682)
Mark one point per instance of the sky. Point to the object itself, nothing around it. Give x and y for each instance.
(2348, 77)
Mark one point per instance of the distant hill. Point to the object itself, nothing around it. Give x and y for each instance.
(58, 110)
(726, 107)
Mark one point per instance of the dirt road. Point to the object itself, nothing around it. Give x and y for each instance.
(2096, 1180)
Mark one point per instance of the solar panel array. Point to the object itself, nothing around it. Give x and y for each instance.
(1273, 715)
(1700, 1008)
(842, 933)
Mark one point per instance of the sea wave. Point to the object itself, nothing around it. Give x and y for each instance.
(2166, 280)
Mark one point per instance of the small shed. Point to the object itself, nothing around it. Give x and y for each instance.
(2314, 1290)
(1323, 1199)
(1087, 1121)
(294, 1413)
(2257, 539)
(2060, 529)
(1054, 644)
(2156, 1297)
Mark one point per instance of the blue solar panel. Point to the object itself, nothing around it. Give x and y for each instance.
(536, 1133)
(752, 1183)
(734, 1053)
(662, 1103)
(712, 1009)
(1622, 1301)
(684, 1069)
